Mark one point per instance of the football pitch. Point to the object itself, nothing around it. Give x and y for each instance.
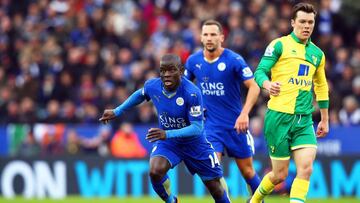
(183, 199)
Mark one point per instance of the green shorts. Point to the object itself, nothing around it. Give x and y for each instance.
(286, 132)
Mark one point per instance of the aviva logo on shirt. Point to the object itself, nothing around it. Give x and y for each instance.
(299, 81)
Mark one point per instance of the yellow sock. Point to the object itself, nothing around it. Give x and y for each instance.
(264, 189)
(299, 190)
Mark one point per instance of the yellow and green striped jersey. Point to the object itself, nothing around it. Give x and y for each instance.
(298, 67)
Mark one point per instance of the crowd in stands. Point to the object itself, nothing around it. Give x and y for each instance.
(65, 61)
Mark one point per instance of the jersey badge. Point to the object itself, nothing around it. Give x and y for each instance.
(195, 111)
(180, 101)
(314, 59)
(247, 72)
(221, 66)
(269, 51)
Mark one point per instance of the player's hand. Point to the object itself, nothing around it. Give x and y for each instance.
(322, 129)
(242, 123)
(155, 134)
(107, 116)
(273, 88)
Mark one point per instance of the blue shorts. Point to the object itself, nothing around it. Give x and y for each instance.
(239, 146)
(199, 157)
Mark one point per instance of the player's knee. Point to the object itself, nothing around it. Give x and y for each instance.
(305, 171)
(247, 172)
(156, 173)
(280, 176)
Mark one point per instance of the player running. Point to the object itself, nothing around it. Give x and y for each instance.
(219, 72)
(180, 134)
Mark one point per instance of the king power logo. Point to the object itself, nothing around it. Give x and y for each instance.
(172, 122)
(212, 88)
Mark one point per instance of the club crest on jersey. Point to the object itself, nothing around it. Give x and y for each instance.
(195, 111)
(180, 101)
(314, 59)
(221, 66)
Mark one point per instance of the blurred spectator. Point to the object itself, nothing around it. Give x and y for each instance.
(50, 136)
(256, 130)
(53, 112)
(30, 147)
(68, 112)
(356, 88)
(26, 111)
(126, 144)
(350, 113)
(95, 144)
(72, 145)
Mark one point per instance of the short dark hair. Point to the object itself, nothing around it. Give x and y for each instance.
(171, 59)
(214, 22)
(306, 7)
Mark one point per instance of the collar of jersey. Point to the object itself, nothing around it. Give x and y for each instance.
(298, 40)
(167, 94)
(211, 61)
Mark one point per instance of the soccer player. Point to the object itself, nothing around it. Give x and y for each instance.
(219, 73)
(180, 134)
(295, 65)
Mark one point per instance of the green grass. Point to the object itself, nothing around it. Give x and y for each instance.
(183, 199)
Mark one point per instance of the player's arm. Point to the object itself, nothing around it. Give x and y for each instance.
(195, 115)
(242, 122)
(271, 56)
(136, 98)
(321, 90)
(194, 129)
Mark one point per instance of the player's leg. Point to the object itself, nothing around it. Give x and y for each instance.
(216, 141)
(241, 147)
(160, 181)
(200, 157)
(277, 175)
(304, 152)
(304, 159)
(276, 127)
(217, 191)
(222, 179)
(162, 159)
(248, 172)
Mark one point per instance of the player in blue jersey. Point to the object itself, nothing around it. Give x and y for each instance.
(219, 72)
(180, 134)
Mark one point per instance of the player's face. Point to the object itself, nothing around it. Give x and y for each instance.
(170, 76)
(303, 25)
(211, 37)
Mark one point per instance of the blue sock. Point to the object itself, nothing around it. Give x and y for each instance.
(223, 199)
(254, 182)
(162, 188)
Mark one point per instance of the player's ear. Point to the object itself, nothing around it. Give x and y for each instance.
(292, 22)
(182, 69)
(222, 37)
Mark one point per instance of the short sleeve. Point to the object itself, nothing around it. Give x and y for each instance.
(188, 70)
(242, 68)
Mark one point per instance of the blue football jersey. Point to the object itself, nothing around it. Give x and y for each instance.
(178, 109)
(219, 83)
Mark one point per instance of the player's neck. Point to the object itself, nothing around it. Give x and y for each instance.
(213, 56)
